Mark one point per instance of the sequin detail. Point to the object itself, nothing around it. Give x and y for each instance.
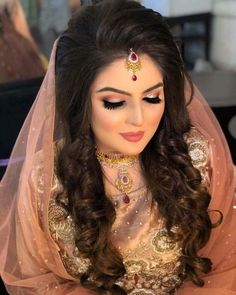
(154, 268)
(162, 242)
(157, 273)
(60, 223)
(62, 229)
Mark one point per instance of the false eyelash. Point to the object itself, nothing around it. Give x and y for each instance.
(154, 100)
(112, 105)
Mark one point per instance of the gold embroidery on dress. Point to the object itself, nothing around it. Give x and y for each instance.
(62, 229)
(154, 266)
(162, 242)
(155, 274)
(60, 223)
(75, 266)
(159, 273)
(143, 276)
(197, 152)
(198, 149)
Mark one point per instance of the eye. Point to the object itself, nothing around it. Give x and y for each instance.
(112, 105)
(152, 99)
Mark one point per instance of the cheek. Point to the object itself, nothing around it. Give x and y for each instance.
(104, 120)
(155, 118)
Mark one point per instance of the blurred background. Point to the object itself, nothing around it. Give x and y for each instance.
(205, 31)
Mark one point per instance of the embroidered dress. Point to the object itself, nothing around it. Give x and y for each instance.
(152, 259)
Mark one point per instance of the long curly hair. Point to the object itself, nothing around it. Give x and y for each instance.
(96, 36)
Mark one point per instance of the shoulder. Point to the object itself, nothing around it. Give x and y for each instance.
(37, 174)
(199, 152)
(43, 180)
(198, 147)
(43, 165)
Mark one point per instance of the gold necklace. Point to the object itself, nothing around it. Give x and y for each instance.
(123, 182)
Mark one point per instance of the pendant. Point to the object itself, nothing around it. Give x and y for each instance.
(126, 199)
(124, 182)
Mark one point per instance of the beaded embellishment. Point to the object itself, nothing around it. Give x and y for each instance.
(124, 181)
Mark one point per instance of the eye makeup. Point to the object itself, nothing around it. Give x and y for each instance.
(152, 99)
(112, 105)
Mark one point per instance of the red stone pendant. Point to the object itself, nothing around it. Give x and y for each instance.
(134, 78)
(133, 57)
(126, 199)
(133, 64)
(124, 182)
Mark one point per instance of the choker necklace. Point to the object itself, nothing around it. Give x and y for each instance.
(123, 182)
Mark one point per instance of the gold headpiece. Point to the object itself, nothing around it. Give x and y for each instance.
(133, 64)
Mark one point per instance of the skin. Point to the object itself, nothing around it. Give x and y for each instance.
(136, 109)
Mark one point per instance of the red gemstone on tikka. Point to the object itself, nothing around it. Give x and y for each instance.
(126, 199)
(134, 78)
(133, 56)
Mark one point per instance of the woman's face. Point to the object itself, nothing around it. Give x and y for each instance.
(126, 113)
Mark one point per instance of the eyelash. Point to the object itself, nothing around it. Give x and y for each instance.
(114, 105)
(153, 100)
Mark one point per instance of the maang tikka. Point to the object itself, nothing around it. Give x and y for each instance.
(133, 64)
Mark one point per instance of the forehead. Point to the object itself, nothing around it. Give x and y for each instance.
(116, 75)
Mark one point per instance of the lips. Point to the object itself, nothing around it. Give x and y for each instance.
(133, 136)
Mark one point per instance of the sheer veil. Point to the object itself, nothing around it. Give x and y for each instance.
(221, 248)
(29, 257)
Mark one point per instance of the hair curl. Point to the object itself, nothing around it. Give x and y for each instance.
(96, 36)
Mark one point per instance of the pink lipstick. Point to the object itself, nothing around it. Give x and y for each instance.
(133, 136)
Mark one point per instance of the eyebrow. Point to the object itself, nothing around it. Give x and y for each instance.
(159, 84)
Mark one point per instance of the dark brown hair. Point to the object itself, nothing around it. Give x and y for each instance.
(96, 36)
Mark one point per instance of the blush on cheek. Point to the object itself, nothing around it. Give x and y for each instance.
(155, 119)
(106, 127)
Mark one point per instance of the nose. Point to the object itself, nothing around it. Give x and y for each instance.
(135, 115)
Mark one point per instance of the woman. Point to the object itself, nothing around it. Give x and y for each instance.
(20, 58)
(109, 185)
